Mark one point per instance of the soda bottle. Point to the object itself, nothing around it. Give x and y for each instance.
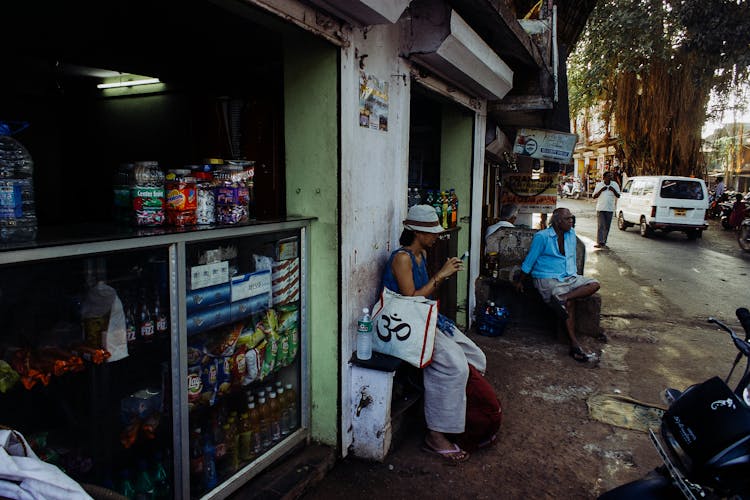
(437, 204)
(283, 410)
(210, 476)
(292, 405)
(254, 418)
(274, 417)
(131, 328)
(364, 335)
(196, 462)
(146, 327)
(454, 208)
(126, 487)
(430, 199)
(233, 446)
(220, 446)
(246, 436)
(445, 206)
(264, 423)
(162, 488)
(160, 317)
(144, 487)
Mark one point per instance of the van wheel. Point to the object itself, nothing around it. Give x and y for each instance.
(693, 234)
(621, 224)
(645, 230)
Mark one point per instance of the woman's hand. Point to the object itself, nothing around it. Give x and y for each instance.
(451, 267)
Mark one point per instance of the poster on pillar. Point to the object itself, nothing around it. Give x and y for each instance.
(373, 103)
(549, 145)
(531, 192)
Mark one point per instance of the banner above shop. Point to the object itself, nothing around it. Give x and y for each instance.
(549, 145)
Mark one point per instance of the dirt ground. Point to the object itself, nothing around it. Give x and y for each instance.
(549, 446)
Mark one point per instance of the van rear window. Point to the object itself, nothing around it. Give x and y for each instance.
(681, 190)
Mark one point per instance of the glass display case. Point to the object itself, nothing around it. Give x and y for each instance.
(172, 364)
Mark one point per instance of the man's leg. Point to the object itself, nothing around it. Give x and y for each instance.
(599, 229)
(570, 306)
(605, 219)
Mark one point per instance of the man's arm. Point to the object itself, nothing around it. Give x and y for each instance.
(598, 190)
(537, 245)
(615, 189)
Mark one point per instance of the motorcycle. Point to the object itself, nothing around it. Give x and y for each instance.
(704, 438)
(571, 189)
(743, 235)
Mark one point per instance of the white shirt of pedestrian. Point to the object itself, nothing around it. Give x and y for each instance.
(607, 200)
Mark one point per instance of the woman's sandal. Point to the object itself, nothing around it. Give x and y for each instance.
(452, 455)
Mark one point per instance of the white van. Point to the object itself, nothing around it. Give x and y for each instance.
(663, 202)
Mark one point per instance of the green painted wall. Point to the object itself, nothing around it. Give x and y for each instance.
(456, 145)
(311, 137)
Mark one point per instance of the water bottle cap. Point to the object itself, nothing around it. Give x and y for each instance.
(366, 310)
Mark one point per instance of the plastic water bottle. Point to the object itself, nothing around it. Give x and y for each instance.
(364, 335)
(17, 209)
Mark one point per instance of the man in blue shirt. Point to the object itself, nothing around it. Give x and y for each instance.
(551, 262)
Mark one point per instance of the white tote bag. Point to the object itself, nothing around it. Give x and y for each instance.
(404, 327)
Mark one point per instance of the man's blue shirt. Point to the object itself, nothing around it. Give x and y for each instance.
(544, 259)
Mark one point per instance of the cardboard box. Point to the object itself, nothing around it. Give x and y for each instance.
(243, 308)
(204, 298)
(206, 319)
(251, 285)
(288, 248)
(207, 275)
(285, 281)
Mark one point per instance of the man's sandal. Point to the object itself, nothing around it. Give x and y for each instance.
(579, 355)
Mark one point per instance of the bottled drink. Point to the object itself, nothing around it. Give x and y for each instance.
(291, 396)
(210, 476)
(437, 204)
(162, 487)
(254, 419)
(246, 436)
(220, 445)
(274, 417)
(144, 487)
(131, 327)
(196, 462)
(17, 209)
(417, 196)
(283, 410)
(430, 197)
(146, 327)
(126, 487)
(364, 335)
(233, 446)
(444, 206)
(264, 423)
(454, 208)
(160, 317)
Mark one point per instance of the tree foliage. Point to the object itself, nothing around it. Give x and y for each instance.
(650, 66)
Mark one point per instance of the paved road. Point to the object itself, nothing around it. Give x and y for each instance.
(706, 277)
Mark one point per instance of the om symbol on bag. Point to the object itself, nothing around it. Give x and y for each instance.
(397, 328)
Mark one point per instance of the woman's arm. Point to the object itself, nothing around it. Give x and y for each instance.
(402, 270)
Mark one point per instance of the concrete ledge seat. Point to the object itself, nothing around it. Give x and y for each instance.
(528, 309)
(384, 393)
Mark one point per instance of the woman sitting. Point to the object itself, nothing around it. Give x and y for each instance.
(445, 378)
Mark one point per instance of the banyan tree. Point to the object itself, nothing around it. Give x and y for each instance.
(650, 67)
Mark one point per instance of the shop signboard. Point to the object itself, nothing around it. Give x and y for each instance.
(547, 145)
(531, 192)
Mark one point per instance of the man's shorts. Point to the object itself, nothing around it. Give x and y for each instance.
(553, 287)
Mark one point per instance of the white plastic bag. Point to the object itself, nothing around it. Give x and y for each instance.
(24, 476)
(104, 321)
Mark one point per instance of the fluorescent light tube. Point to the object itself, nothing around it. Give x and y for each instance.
(130, 83)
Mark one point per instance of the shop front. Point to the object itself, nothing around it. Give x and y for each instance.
(165, 322)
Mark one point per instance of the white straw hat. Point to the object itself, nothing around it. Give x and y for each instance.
(423, 218)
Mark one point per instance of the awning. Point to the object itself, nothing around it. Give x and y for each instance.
(442, 42)
(364, 12)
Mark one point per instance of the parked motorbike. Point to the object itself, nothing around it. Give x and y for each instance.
(704, 438)
(743, 235)
(715, 209)
(571, 189)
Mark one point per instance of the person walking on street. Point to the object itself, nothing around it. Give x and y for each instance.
(606, 193)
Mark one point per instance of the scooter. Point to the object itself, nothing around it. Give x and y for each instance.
(704, 438)
(743, 235)
(572, 189)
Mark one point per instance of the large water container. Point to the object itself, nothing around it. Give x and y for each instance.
(17, 210)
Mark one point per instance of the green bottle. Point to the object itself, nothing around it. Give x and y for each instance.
(126, 488)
